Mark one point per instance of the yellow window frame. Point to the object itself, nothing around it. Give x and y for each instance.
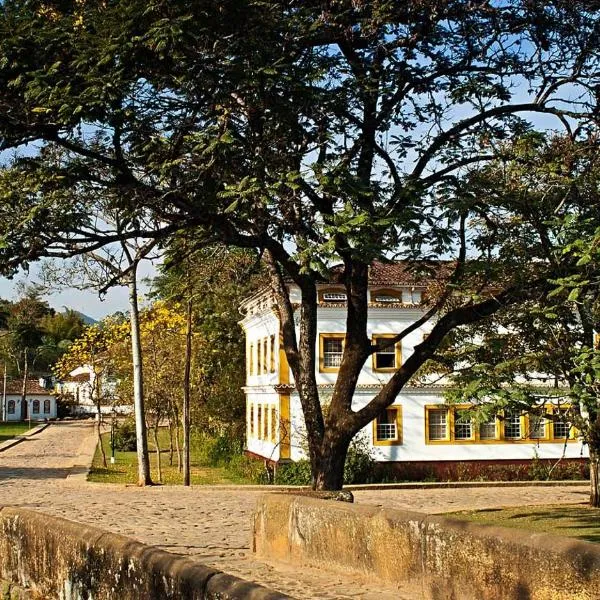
(438, 407)
(397, 347)
(386, 292)
(398, 421)
(332, 290)
(322, 338)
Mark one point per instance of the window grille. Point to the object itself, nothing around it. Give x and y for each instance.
(438, 424)
(487, 431)
(512, 426)
(333, 349)
(385, 359)
(463, 428)
(334, 297)
(562, 428)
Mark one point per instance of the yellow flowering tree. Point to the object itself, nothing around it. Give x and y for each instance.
(93, 350)
(162, 335)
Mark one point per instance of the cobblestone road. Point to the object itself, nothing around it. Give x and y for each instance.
(211, 524)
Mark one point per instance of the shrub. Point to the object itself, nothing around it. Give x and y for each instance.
(293, 473)
(223, 449)
(124, 436)
(360, 466)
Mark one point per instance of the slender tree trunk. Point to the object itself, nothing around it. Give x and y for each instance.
(24, 383)
(99, 432)
(158, 461)
(594, 477)
(186, 394)
(178, 446)
(138, 384)
(171, 447)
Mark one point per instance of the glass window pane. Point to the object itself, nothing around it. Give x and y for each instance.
(438, 424)
(512, 426)
(386, 425)
(463, 427)
(333, 349)
(487, 431)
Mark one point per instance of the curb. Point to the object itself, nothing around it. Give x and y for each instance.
(85, 457)
(463, 484)
(366, 487)
(22, 437)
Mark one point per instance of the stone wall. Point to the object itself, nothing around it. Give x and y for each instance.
(438, 558)
(56, 558)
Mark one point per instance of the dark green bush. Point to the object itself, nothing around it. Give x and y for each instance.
(293, 473)
(360, 466)
(124, 437)
(223, 449)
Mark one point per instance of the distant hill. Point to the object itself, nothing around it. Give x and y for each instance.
(87, 320)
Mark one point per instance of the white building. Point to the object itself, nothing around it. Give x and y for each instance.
(39, 404)
(419, 428)
(81, 388)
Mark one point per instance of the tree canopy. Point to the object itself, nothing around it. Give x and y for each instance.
(317, 132)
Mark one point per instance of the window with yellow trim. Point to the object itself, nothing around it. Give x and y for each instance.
(265, 423)
(387, 359)
(331, 350)
(251, 359)
(273, 432)
(386, 296)
(438, 424)
(332, 296)
(265, 356)
(272, 345)
(387, 428)
(464, 427)
(251, 421)
(562, 429)
(259, 419)
(455, 424)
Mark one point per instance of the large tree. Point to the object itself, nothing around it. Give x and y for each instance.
(541, 352)
(318, 132)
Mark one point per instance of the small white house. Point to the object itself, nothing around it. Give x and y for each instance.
(419, 429)
(39, 404)
(81, 387)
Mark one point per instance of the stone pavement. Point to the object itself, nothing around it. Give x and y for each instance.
(212, 524)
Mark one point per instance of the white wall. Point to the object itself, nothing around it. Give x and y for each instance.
(30, 399)
(414, 446)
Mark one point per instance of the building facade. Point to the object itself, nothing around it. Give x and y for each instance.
(39, 404)
(420, 427)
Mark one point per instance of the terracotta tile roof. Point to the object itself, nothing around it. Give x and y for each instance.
(402, 272)
(14, 386)
(81, 378)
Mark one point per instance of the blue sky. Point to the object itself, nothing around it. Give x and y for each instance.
(87, 302)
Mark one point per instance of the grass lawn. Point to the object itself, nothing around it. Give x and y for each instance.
(10, 430)
(571, 520)
(125, 468)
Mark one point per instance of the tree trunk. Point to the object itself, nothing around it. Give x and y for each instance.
(594, 478)
(186, 394)
(99, 432)
(178, 446)
(24, 383)
(158, 462)
(138, 384)
(171, 446)
(328, 473)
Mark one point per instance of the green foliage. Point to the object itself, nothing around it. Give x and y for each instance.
(293, 473)
(359, 466)
(125, 436)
